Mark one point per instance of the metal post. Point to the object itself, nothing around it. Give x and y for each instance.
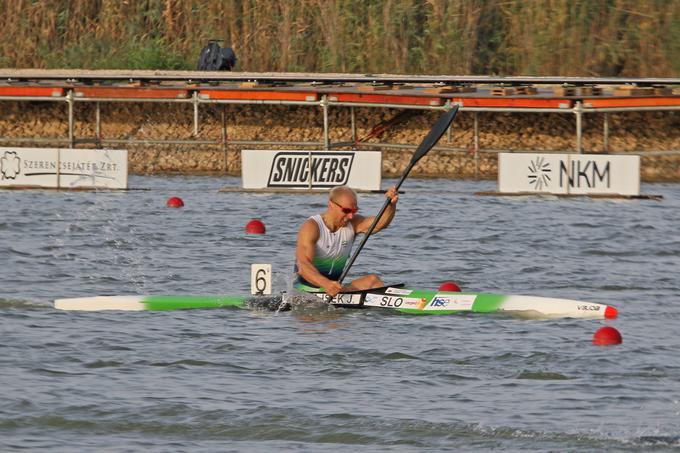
(476, 143)
(448, 132)
(224, 139)
(324, 106)
(606, 132)
(578, 110)
(97, 127)
(354, 124)
(71, 135)
(195, 102)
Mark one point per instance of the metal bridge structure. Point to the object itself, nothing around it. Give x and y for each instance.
(575, 96)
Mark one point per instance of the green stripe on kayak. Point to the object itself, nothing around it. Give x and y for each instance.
(161, 303)
(484, 303)
(487, 303)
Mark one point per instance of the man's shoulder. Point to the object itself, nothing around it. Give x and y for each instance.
(309, 226)
(311, 221)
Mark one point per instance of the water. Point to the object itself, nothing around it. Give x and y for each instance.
(333, 380)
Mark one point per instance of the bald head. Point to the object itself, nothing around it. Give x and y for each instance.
(340, 192)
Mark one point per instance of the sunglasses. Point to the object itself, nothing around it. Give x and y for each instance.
(344, 209)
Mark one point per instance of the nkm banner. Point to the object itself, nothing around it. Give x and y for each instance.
(562, 174)
(63, 168)
(262, 169)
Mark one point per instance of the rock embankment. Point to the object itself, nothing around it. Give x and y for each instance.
(644, 132)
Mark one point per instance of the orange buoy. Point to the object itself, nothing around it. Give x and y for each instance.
(606, 336)
(255, 226)
(449, 286)
(174, 202)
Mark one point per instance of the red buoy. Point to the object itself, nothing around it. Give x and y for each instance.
(610, 312)
(606, 336)
(174, 202)
(255, 226)
(449, 286)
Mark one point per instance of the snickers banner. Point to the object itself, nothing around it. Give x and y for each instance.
(261, 169)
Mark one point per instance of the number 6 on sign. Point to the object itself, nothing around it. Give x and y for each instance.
(261, 279)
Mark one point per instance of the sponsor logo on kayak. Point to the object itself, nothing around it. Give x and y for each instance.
(585, 307)
(398, 291)
(448, 302)
(292, 169)
(418, 304)
(440, 302)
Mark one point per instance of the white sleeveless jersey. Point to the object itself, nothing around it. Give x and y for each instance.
(332, 249)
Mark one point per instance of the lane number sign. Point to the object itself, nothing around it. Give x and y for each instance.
(261, 279)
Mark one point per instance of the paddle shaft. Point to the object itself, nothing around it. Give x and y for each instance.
(426, 145)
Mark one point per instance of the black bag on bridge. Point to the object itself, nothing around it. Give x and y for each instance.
(215, 58)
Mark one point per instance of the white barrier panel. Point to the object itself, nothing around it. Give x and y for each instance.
(291, 169)
(63, 168)
(575, 174)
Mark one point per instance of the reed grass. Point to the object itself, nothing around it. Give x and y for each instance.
(505, 37)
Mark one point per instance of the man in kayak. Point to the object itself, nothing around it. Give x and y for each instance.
(325, 241)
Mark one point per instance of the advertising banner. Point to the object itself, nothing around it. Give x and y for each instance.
(63, 168)
(574, 174)
(263, 169)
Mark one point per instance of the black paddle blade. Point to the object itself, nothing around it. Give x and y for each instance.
(435, 134)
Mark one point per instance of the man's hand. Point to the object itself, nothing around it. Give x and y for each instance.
(332, 288)
(392, 194)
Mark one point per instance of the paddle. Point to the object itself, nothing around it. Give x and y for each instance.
(426, 145)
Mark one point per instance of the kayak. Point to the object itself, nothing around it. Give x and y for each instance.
(394, 298)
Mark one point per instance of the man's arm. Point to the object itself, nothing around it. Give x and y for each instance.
(362, 224)
(304, 255)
